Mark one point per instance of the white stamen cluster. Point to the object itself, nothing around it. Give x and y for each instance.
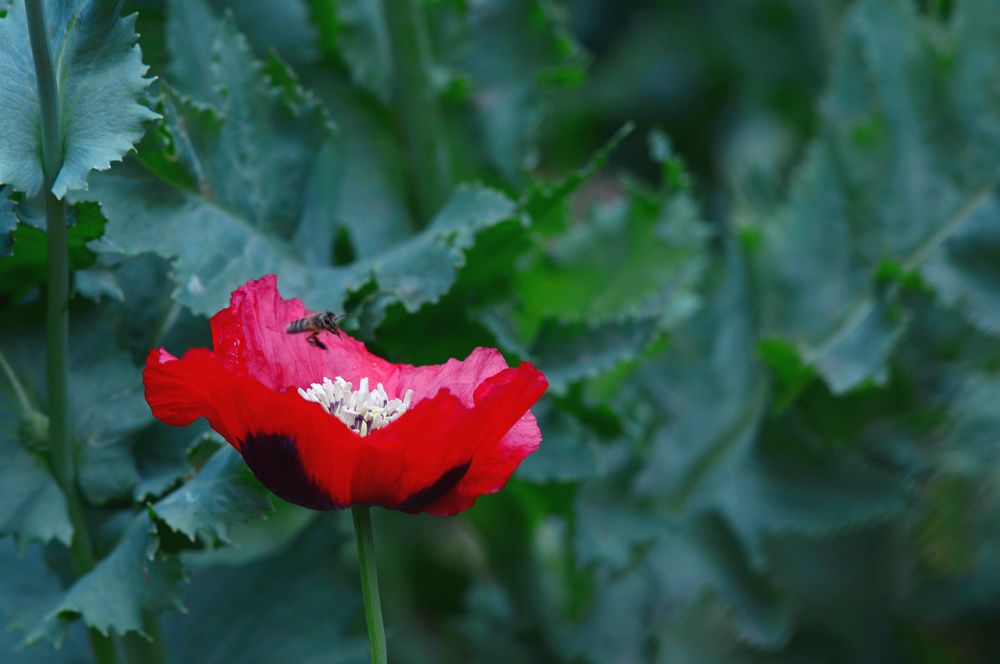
(359, 409)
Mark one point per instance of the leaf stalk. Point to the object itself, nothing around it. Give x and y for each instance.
(416, 105)
(57, 308)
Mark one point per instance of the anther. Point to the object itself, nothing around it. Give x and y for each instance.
(361, 410)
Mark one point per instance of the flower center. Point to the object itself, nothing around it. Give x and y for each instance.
(359, 409)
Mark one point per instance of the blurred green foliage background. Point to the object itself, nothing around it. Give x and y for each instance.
(753, 244)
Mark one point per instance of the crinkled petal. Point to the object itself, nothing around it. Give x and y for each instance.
(310, 458)
(467, 431)
(510, 433)
(249, 338)
(461, 377)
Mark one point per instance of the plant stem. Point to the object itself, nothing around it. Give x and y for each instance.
(139, 650)
(369, 584)
(416, 103)
(57, 311)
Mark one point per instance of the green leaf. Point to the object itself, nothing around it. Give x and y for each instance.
(25, 586)
(92, 49)
(141, 573)
(681, 564)
(221, 494)
(276, 25)
(163, 455)
(803, 493)
(360, 184)
(709, 394)
(640, 255)
(323, 14)
(312, 629)
(108, 406)
(27, 267)
(572, 352)
(133, 578)
(232, 214)
(32, 506)
(506, 61)
(7, 222)
(547, 203)
(568, 451)
(963, 269)
(246, 143)
(907, 155)
(703, 634)
(363, 39)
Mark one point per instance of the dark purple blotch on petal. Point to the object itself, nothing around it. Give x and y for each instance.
(441, 486)
(274, 459)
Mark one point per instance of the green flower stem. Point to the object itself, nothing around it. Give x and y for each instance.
(369, 583)
(57, 311)
(416, 104)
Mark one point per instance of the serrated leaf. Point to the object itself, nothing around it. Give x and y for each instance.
(571, 352)
(105, 395)
(358, 183)
(640, 256)
(221, 237)
(108, 405)
(907, 155)
(710, 454)
(133, 578)
(163, 457)
(681, 564)
(547, 202)
(276, 25)
(93, 49)
(32, 506)
(963, 269)
(25, 586)
(221, 494)
(27, 267)
(245, 144)
(139, 574)
(803, 494)
(855, 350)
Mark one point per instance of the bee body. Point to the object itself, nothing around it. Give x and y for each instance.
(324, 321)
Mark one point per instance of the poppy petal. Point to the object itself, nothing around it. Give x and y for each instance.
(509, 433)
(310, 458)
(465, 433)
(249, 338)
(460, 377)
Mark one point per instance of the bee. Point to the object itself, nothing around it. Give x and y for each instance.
(324, 321)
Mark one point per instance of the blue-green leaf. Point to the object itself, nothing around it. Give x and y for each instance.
(7, 222)
(92, 49)
(965, 268)
(908, 154)
(133, 578)
(363, 39)
(221, 494)
(221, 197)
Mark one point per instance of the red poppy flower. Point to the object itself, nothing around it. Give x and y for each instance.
(426, 439)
